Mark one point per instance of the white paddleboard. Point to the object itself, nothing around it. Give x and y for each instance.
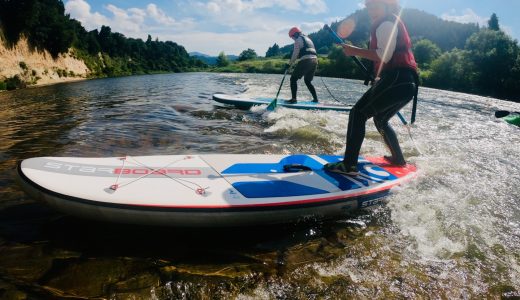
(207, 190)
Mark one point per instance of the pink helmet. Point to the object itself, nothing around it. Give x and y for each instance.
(294, 31)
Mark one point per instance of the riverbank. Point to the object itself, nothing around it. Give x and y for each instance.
(25, 67)
(22, 66)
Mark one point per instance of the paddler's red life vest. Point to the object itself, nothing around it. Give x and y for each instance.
(403, 56)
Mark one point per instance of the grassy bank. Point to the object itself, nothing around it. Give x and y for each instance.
(259, 65)
(327, 66)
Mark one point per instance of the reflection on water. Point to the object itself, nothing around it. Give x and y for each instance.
(454, 232)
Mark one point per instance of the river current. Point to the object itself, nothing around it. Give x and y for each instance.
(453, 232)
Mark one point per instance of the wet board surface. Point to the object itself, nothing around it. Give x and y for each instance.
(195, 190)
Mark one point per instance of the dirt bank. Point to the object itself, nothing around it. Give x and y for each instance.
(38, 67)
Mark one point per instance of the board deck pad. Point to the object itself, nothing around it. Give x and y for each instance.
(247, 102)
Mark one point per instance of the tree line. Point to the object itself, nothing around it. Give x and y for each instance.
(106, 53)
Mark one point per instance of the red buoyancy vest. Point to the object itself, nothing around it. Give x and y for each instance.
(403, 56)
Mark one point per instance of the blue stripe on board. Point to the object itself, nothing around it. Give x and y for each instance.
(278, 188)
(281, 188)
(262, 168)
(339, 180)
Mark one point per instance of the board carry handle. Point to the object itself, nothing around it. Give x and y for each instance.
(293, 168)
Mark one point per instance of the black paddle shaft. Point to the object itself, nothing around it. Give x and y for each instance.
(272, 105)
(368, 74)
(281, 84)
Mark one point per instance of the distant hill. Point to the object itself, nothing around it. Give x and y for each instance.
(210, 60)
(446, 34)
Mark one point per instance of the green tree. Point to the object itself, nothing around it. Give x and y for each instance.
(43, 22)
(425, 51)
(50, 28)
(495, 55)
(493, 23)
(340, 65)
(247, 55)
(453, 70)
(273, 51)
(15, 18)
(324, 50)
(512, 84)
(222, 60)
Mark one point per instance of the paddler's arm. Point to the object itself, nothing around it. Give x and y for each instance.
(365, 53)
(387, 42)
(297, 46)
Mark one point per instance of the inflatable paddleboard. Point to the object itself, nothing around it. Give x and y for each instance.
(246, 103)
(207, 190)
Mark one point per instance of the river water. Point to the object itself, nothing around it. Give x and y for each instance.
(454, 232)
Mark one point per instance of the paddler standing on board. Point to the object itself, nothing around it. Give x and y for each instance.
(396, 84)
(306, 67)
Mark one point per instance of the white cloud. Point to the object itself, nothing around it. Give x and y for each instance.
(240, 6)
(128, 21)
(131, 21)
(158, 15)
(331, 20)
(80, 10)
(315, 6)
(230, 43)
(311, 27)
(213, 7)
(211, 26)
(468, 16)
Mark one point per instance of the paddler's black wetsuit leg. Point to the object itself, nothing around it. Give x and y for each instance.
(382, 101)
(309, 76)
(311, 88)
(294, 87)
(297, 73)
(383, 126)
(307, 68)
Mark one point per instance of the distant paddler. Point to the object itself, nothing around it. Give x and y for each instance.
(395, 86)
(305, 52)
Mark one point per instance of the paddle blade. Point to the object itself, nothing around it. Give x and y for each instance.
(272, 105)
(346, 27)
(502, 113)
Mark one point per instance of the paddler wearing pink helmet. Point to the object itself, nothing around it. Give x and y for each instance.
(305, 53)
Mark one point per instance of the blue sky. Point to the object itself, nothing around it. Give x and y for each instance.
(234, 25)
